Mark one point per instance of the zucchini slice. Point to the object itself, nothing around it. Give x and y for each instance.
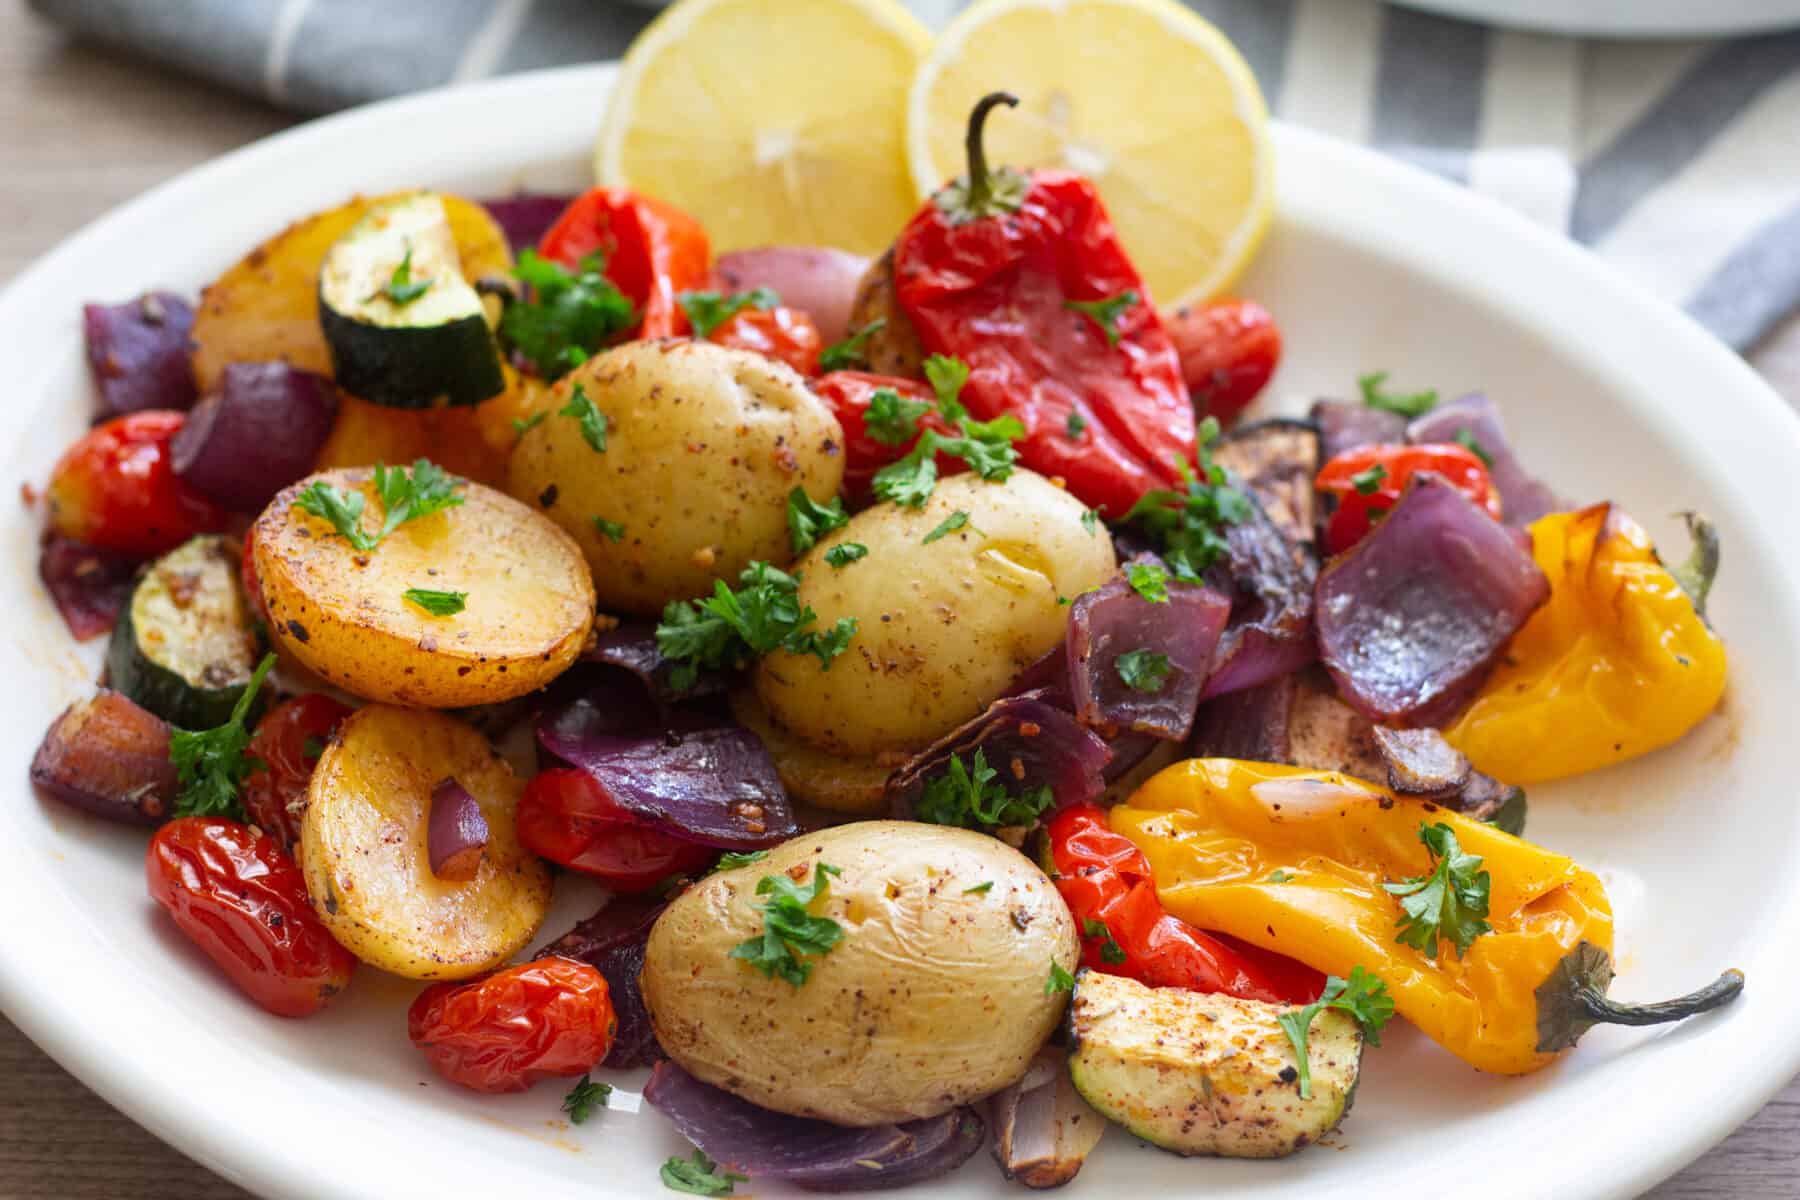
(186, 645)
(404, 328)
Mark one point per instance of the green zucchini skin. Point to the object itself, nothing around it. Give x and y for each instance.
(413, 367)
(186, 644)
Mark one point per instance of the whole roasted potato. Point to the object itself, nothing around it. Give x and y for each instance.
(702, 445)
(934, 995)
(942, 625)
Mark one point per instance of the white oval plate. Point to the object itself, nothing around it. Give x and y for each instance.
(1370, 265)
(1625, 18)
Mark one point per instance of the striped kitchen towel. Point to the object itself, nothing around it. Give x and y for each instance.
(1678, 162)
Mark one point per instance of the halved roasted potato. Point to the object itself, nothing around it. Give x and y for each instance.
(363, 848)
(811, 775)
(342, 612)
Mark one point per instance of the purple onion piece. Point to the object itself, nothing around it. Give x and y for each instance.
(456, 833)
(138, 352)
(817, 280)
(1412, 617)
(1029, 741)
(525, 217)
(1523, 499)
(1347, 425)
(1421, 763)
(1270, 582)
(612, 942)
(1049, 674)
(811, 1154)
(108, 757)
(1250, 724)
(258, 433)
(1114, 620)
(1043, 1129)
(89, 587)
(1128, 750)
(715, 786)
(632, 647)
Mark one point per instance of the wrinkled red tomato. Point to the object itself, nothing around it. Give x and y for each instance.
(287, 742)
(848, 393)
(116, 488)
(1367, 482)
(567, 817)
(233, 891)
(779, 332)
(1228, 349)
(550, 1016)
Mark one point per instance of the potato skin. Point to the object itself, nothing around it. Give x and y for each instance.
(363, 848)
(893, 349)
(703, 445)
(341, 612)
(934, 997)
(942, 628)
(857, 786)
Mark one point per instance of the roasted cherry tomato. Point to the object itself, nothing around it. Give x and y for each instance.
(252, 585)
(287, 743)
(1367, 482)
(1228, 350)
(242, 900)
(116, 488)
(849, 393)
(653, 251)
(566, 816)
(780, 332)
(550, 1016)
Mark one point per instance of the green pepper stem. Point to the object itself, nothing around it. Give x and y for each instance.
(1601, 1010)
(1696, 574)
(981, 188)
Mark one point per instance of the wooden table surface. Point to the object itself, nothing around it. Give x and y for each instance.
(83, 131)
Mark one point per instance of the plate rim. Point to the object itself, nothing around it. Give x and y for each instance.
(1617, 18)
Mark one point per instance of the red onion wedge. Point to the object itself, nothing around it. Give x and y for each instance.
(525, 217)
(1043, 1129)
(1269, 579)
(1027, 739)
(456, 833)
(1421, 763)
(612, 942)
(258, 433)
(1251, 724)
(811, 1154)
(818, 281)
(632, 647)
(1113, 620)
(1412, 617)
(89, 587)
(138, 352)
(1347, 425)
(1474, 421)
(108, 757)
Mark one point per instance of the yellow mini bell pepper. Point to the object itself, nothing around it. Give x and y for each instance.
(1618, 663)
(1296, 861)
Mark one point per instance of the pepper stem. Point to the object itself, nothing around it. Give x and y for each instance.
(1696, 574)
(1572, 1000)
(985, 190)
(1598, 1008)
(981, 185)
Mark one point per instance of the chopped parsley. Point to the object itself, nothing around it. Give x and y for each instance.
(1143, 670)
(584, 1098)
(947, 375)
(1110, 950)
(1368, 482)
(1281, 876)
(588, 416)
(850, 351)
(1105, 312)
(808, 520)
(1363, 996)
(1148, 580)
(699, 1176)
(1075, 425)
(401, 288)
(893, 419)
(789, 931)
(947, 526)
(612, 531)
(845, 553)
(569, 315)
(1449, 902)
(1090, 521)
(972, 797)
(986, 446)
(732, 859)
(732, 627)
(706, 311)
(1189, 524)
(312, 747)
(1405, 404)
(980, 889)
(1059, 980)
(438, 604)
(524, 425)
(211, 763)
(1466, 439)
(405, 496)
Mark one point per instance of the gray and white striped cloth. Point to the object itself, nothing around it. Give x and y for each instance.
(1678, 162)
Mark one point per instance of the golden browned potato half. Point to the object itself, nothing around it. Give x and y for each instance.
(933, 997)
(893, 349)
(811, 775)
(363, 848)
(703, 445)
(942, 627)
(341, 611)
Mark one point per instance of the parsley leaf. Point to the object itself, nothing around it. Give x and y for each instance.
(849, 352)
(1075, 425)
(732, 627)
(706, 311)
(612, 531)
(405, 496)
(1466, 439)
(972, 797)
(947, 526)
(699, 1176)
(732, 859)
(1058, 980)
(1409, 405)
(980, 889)
(985, 446)
(845, 553)
(401, 288)
(893, 419)
(946, 375)
(1368, 482)
(588, 416)
(570, 314)
(1281, 876)
(1363, 996)
(1148, 580)
(1110, 950)
(909, 481)
(211, 763)
(808, 520)
(1090, 521)
(584, 1098)
(1189, 524)
(1105, 312)
(312, 747)
(438, 604)
(789, 931)
(1143, 670)
(1450, 902)
(524, 425)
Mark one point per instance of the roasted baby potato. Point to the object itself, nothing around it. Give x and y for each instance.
(942, 626)
(702, 446)
(934, 996)
(811, 775)
(363, 848)
(894, 348)
(342, 613)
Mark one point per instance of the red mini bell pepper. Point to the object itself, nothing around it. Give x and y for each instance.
(848, 393)
(1107, 884)
(1022, 276)
(1367, 482)
(652, 251)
